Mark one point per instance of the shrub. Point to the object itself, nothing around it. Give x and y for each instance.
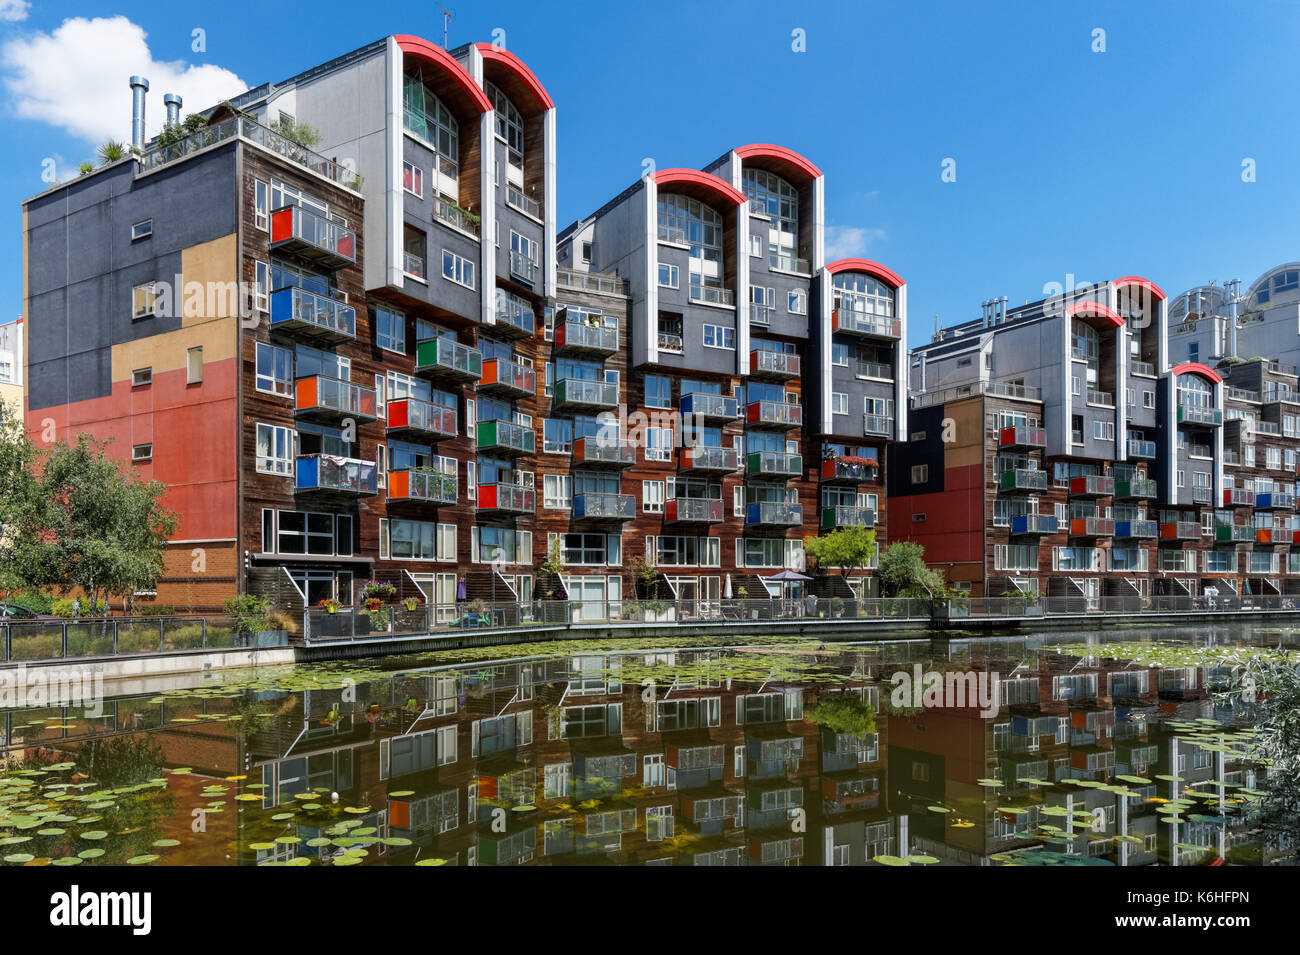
(248, 613)
(843, 713)
(32, 600)
(156, 610)
(63, 607)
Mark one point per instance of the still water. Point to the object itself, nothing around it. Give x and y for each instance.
(1103, 750)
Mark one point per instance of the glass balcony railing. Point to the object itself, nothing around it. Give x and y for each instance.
(507, 378)
(323, 397)
(595, 452)
(774, 414)
(1134, 488)
(1191, 414)
(590, 281)
(842, 515)
(428, 486)
(507, 498)
(506, 437)
(688, 510)
(422, 417)
(327, 473)
(785, 262)
(448, 358)
(1238, 497)
(1092, 485)
(711, 408)
(777, 513)
(453, 215)
(1275, 500)
(772, 364)
(1137, 529)
(877, 425)
(774, 464)
(863, 323)
(1142, 368)
(1274, 535)
(516, 199)
(513, 320)
(843, 470)
(1022, 479)
(712, 295)
(701, 458)
(1033, 524)
(1180, 530)
(1233, 533)
(313, 236)
(1141, 449)
(1092, 527)
(874, 369)
(579, 338)
(415, 265)
(580, 393)
(312, 316)
(602, 506)
(1021, 438)
(523, 268)
(670, 343)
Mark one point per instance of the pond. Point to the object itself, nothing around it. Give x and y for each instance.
(950, 749)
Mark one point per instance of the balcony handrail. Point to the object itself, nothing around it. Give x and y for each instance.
(314, 309)
(606, 284)
(1003, 389)
(712, 294)
(604, 337)
(516, 198)
(321, 230)
(415, 265)
(436, 486)
(447, 211)
(588, 391)
(427, 416)
(878, 424)
(788, 263)
(670, 343)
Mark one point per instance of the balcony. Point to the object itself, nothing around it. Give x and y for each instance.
(517, 200)
(1033, 524)
(523, 268)
(669, 343)
(875, 369)
(421, 418)
(330, 475)
(861, 323)
(1135, 489)
(429, 487)
(514, 321)
(1103, 399)
(877, 425)
(693, 510)
(606, 284)
(712, 409)
(773, 365)
(415, 265)
(448, 359)
(1145, 368)
(708, 460)
(774, 514)
(1275, 501)
(1274, 535)
(1180, 531)
(604, 507)
(1191, 414)
(593, 452)
(1022, 479)
(507, 379)
(1141, 449)
(1233, 533)
(784, 262)
(577, 393)
(842, 470)
(1092, 485)
(842, 515)
(1202, 495)
(313, 237)
(1092, 527)
(712, 295)
(579, 339)
(320, 398)
(774, 464)
(506, 437)
(774, 414)
(1238, 497)
(312, 316)
(1137, 530)
(456, 217)
(507, 499)
(1021, 438)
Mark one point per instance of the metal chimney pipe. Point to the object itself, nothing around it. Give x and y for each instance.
(173, 103)
(139, 86)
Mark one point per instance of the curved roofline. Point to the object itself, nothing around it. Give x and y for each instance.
(417, 46)
(886, 275)
(693, 177)
(516, 66)
(1147, 284)
(1254, 286)
(1196, 368)
(772, 151)
(1096, 308)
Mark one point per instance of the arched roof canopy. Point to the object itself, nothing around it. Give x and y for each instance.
(445, 76)
(875, 269)
(1095, 313)
(1196, 368)
(699, 185)
(515, 79)
(786, 163)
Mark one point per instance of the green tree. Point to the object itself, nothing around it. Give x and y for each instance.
(903, 572)
(845, 548)
(1266, 692)
(18, 492)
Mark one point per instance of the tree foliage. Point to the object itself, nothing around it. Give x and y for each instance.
(845, 548)
(903, 572)
(1267, 692)
(842, 713)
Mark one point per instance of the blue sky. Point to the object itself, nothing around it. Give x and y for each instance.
(1068, 161)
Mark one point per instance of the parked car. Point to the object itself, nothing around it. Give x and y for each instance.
(17, 612)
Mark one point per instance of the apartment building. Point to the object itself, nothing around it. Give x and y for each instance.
(731, 314)
(1056, 449)
(11, 368)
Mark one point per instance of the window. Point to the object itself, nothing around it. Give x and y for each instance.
(425, 116)
(659, 444)
(839, 402)
(719, 336)
(194, 366)
(456, 269)
(762, 303)
(669, 276)
(756, 245)
(142, 376)
(1148, 399)
(261, 205)
(557, 491)
(413, 179)
(390, 330)
(274, 370)
(1103, 430)
(798, 302)
(261, 286)
(144, 300)
(652, 497)
(557, 435)
(658, 392)
(275, 447)
(142, 452)
(839, 355)
(142, 229)
(419, 540)
(920, 473)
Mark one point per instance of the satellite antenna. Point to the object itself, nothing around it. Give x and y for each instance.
(447, 17)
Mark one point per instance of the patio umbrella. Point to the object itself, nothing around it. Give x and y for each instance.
(789, 575)
(460, 589)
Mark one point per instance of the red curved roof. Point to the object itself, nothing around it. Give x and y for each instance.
(1196, 368)
(1147, 284)
(437, 56)
(516, 66)
(780, 153)
(700, 180)
(888, 276)
(1099, 309)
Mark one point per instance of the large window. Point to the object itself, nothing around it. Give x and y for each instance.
(390, 330)
(426, 117)
(857, 292)
(780, 203)
(275, 447)
(274, 369)
(510, 124)
(690, 222)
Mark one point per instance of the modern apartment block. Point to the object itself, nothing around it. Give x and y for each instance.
(360, 355)
(1057, 449)
(765, 380)
(11, 368)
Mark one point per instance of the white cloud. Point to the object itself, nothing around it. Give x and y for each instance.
(846, 242)
(11, 11)
(76, 78)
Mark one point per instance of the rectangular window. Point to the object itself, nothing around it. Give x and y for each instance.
(658, 392)
(920, 473)
(652, 497)
(719, 336)
(458, 270)
(274, 370)
(261, 286)
(142, 452)
(839, 402)
(194, 366)
(669, 275)
(261, 205)
(142, 229)
(557, 491)
(142, 376)
(390, 330)
(275, 449)
(413, 179)
(143, 300)
(798, 302)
